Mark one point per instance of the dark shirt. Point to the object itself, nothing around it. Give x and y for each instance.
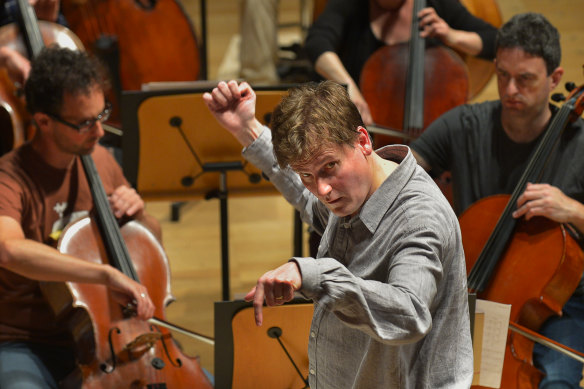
(470, 142)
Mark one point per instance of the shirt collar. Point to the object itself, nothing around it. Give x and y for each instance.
(381, 200)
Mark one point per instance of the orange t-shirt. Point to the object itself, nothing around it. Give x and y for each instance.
(43, 200)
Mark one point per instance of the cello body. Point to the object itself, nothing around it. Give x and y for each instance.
(445, 85)
(538, 273)
(13, 116)
(115, 350)
(141, 41)
(383, 85)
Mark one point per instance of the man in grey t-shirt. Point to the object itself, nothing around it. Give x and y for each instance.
(487, 147)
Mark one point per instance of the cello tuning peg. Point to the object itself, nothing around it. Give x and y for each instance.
(557, 97)
(570, 86)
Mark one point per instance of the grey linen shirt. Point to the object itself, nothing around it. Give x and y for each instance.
(388, 285)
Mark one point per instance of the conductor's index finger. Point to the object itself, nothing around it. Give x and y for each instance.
(258, 304)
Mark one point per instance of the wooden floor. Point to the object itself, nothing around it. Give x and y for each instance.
(260, 228)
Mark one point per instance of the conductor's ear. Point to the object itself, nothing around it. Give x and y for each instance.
(364, 140)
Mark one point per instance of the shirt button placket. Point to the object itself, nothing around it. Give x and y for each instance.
(312, 369)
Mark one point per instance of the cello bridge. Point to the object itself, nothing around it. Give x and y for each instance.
(143, 341)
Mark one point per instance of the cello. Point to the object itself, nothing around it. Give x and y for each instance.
(535, 266)
(424, 82)
(480, 71)
(113, 349)
(27, 37)
(140, 41)
(413, 94)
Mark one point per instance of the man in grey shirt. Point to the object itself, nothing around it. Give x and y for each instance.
(389, 281)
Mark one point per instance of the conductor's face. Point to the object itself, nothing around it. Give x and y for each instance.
(340, 176)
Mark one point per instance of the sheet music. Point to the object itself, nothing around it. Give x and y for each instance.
(494, 339)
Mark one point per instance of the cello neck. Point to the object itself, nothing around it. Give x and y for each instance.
(485, 265)
(30, 28)
(414, 104)
(108, 225)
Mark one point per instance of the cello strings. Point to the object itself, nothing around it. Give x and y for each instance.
(110, 232)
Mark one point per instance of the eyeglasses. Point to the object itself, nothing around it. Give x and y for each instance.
(87, 125)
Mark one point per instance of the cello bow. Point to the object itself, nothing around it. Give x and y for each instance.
(547, 342)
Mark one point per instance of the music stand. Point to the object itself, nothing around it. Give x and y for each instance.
(174, 149)
(275, 354)
(245, 353)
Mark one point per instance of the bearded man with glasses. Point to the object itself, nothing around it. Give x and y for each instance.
(42, 188)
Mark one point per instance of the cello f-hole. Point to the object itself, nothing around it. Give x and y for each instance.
(146, 5)
(108, 369)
